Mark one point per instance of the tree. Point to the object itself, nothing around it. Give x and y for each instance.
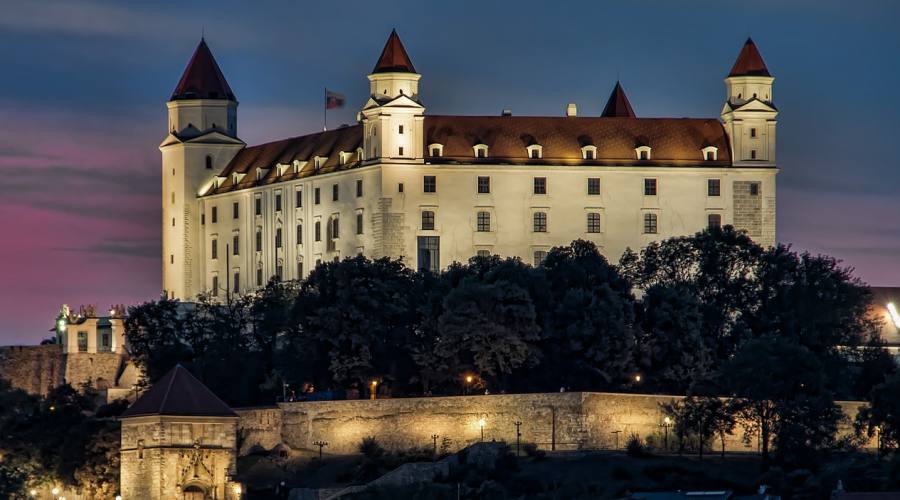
(703, 417)
(880, 418)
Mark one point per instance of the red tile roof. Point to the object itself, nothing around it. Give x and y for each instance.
(179, 393)
(673, 142)
(394, 57)
(202, 79)
(749, 62)
(618, 104)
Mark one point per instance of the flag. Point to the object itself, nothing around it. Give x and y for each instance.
(334, 100)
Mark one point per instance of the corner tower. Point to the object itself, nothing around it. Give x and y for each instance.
(201, 140)
(393, 117)
(749, 114)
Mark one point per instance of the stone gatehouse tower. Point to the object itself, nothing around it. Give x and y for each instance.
(179, 441)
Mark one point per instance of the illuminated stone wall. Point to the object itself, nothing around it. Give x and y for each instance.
(34, 369)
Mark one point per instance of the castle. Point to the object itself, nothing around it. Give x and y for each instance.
(437, 189)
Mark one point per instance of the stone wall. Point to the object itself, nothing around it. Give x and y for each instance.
(561, 421)
(34, 369)
(101, 369)
(748, 209)
(258, 428)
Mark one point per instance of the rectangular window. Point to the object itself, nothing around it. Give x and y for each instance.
(540, 222)
(429, 253)
(82, 341)
(481, 153)
(540, 185)
(644, 155)
(754, 189)
(714, 221)
(257, 206)
(335, 192)
(753, 132)
(401, 129)
(429, 184)
(593, 222)
(214, 248)
(278, 202)
(359, 190)
(259, 240)
(359, 223)
(300, 270)
(298, 201)
(335, 228)
(237, 282)
(236, 244)
(484, 185)
(317, 195)
(279, 271)
(535, 154)
(400, 151)
(215, 286)
(650, 224)
(435, 151)
(400, 187)
(215, 214)
(484, 222)
(589, 154)
(539, 257)
(235, 210)
(278, 238)
(752, 154)
(594, 186)
(713, 187)
(483, 253)
(317, 230)
(202, 219)
(649, 187)
(299, 234)
(427, 220)
(259, 276)
(171, 258)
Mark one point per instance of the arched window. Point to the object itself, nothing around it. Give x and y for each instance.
(209, 162)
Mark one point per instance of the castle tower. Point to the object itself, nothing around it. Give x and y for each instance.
(618, 105)
(201, 140)
(749, 113)
(393, 117)
(178, 441)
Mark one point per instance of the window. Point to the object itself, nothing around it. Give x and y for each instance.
(535, 151)
(335, 192)
(214, 248)
(540, 185)
(235, 210)
(754, 189)
(714, 221)
(644, 155)
(215, 286)
(299, 269)
(589, 152)
(483, 253)
(259, 276)
(279, 271)
(713, 187)
(105, 342)
(649, 187)
(82, 341)
(436, 149)
(752, 154)
(236, 244)
(173, 198)
(593, 222)
(400, 187)
(278, 202)
(215, 214)
(429, 184)
(173, 221)
(643, 152)
(400, 151)
(258, 240)
(753, 133)
(257, 206)
(428, 220)
(484, 222)
(317, 230)
(481, 150)
(299, 234)
(335, 228)
(429, 253)
(209, 163)
(359, 223)
(202, 219)
(400, 129)
(650, 224)
(359, 191)
(278, 237)
(171, 258)
(484, 185)
(298, 201)
(237, 282)
(710, 156)
(539, 257)
(593, 185)
(317, 196)
(539, 222)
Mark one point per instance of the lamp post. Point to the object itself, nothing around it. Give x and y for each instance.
(320, 444)
(665, 425)
(373, 384)
(468, 383)
(434, 440)
(637, 378)
(518, 424)
(481, 424)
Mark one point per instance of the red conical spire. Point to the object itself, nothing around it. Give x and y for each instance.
(202, 79)
(749, 62)
(394, 58)
(618, 104)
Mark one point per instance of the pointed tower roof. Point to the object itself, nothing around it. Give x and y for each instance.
(202, 79)
(618, 105)
(749, 62)
(394, 58)
(179, 393)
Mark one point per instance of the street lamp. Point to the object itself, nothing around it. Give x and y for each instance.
(237, 490)
(637, 378)
(320, 444)
(468, 383)
(55, 491)
(374, 384)
(32, 493)
(665, 425)
(434, 438)
(481, 424)
(518, 424)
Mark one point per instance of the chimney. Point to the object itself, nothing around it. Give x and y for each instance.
(571, 109)
(506, 112)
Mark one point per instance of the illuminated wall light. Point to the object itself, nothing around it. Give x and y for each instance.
(895, 316)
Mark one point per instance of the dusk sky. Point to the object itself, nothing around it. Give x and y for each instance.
(83, 87)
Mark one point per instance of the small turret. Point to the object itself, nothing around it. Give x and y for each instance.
(749, 114)
(618, 105)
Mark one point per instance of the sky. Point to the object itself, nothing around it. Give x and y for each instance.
(83, 86)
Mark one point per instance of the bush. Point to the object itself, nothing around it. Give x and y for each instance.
(532, 451)
(370, 447)
(635, 447)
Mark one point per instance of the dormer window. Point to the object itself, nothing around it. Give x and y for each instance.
(436, 150)
(345, 157)
(710, 153)
(281, 168)
(236, 178)
(589, 152)
(481, 150)
(642, 152)
(359, 154)
(298, 165)
(535, 151)
(318, 161)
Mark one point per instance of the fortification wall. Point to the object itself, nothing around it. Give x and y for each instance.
(99, 368)
(259, 428)
(561, 421)
(35, 368)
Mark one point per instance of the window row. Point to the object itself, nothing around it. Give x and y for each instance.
(333, 230)
(539, 186)
(588, 152)
(258, 202)
(539, 222)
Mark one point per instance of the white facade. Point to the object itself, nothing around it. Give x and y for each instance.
(397, 168)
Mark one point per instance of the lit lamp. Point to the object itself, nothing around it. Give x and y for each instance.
(667, 422)
(468, 383)
(32, 493)
(481, 424)
(118, 497)
(637, 378)
(55, 491)
(374, 384)
(237, 490)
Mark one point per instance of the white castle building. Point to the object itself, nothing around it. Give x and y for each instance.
(438, 189)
